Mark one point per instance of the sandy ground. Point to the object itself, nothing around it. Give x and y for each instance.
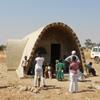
(13, 88)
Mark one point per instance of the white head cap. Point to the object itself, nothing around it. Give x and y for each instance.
(73, 52)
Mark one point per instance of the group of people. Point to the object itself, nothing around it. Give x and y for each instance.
(74, 63)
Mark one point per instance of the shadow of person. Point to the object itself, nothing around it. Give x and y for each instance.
(52, 87)
(87, 90)
(84, 80)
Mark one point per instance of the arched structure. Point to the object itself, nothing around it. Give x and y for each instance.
(57, 39)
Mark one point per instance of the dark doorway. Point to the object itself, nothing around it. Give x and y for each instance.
(55, 54)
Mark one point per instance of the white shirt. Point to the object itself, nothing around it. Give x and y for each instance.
(24, 63)
(49, 68)
(69, 59)
(39, 62)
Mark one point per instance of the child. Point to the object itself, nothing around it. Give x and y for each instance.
(24, 65)
(49, 71)
(46, 71)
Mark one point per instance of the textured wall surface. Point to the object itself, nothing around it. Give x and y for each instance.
(14, 53)
(44, 36)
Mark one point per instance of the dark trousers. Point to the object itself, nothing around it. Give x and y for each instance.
(92, 70)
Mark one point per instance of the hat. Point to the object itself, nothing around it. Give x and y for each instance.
(73, 52)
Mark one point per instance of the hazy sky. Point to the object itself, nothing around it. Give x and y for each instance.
(20, 17)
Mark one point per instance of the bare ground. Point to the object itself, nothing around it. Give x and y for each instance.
(13, 88)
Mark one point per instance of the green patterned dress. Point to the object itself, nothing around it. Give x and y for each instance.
(59, 71)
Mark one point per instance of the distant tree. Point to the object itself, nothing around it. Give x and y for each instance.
(2, 47)
(88, 43)
(94, 44)
(98, 44)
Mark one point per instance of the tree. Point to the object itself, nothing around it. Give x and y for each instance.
(94, 44)
(98, 44)
(88, 43)
(2, 47)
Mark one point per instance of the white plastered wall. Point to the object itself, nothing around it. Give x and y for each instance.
(31, 40)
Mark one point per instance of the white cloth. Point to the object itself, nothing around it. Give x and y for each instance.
(20, 70)
(39, 62)
(24, 63)
(49, 68)
(73, 52)
(39, 71)
(80, 75)
(73, 87)
(39, 74)
(49, 71)
(69, 59)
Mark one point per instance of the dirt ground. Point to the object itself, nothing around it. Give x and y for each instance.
(13, 88)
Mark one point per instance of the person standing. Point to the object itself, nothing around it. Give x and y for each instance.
(24, 65)
(46, 71)
(49, 71)
(38, 77)
(60, 70)
(57, 61)
(73, 76)
(73, 71)
(69, 58)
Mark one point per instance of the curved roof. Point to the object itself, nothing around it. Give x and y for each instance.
(34, 37)
(31, 40)
(35, 33)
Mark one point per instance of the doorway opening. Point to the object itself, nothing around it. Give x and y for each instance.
(55, 54)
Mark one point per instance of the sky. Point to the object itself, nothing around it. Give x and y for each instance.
(21, 17)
